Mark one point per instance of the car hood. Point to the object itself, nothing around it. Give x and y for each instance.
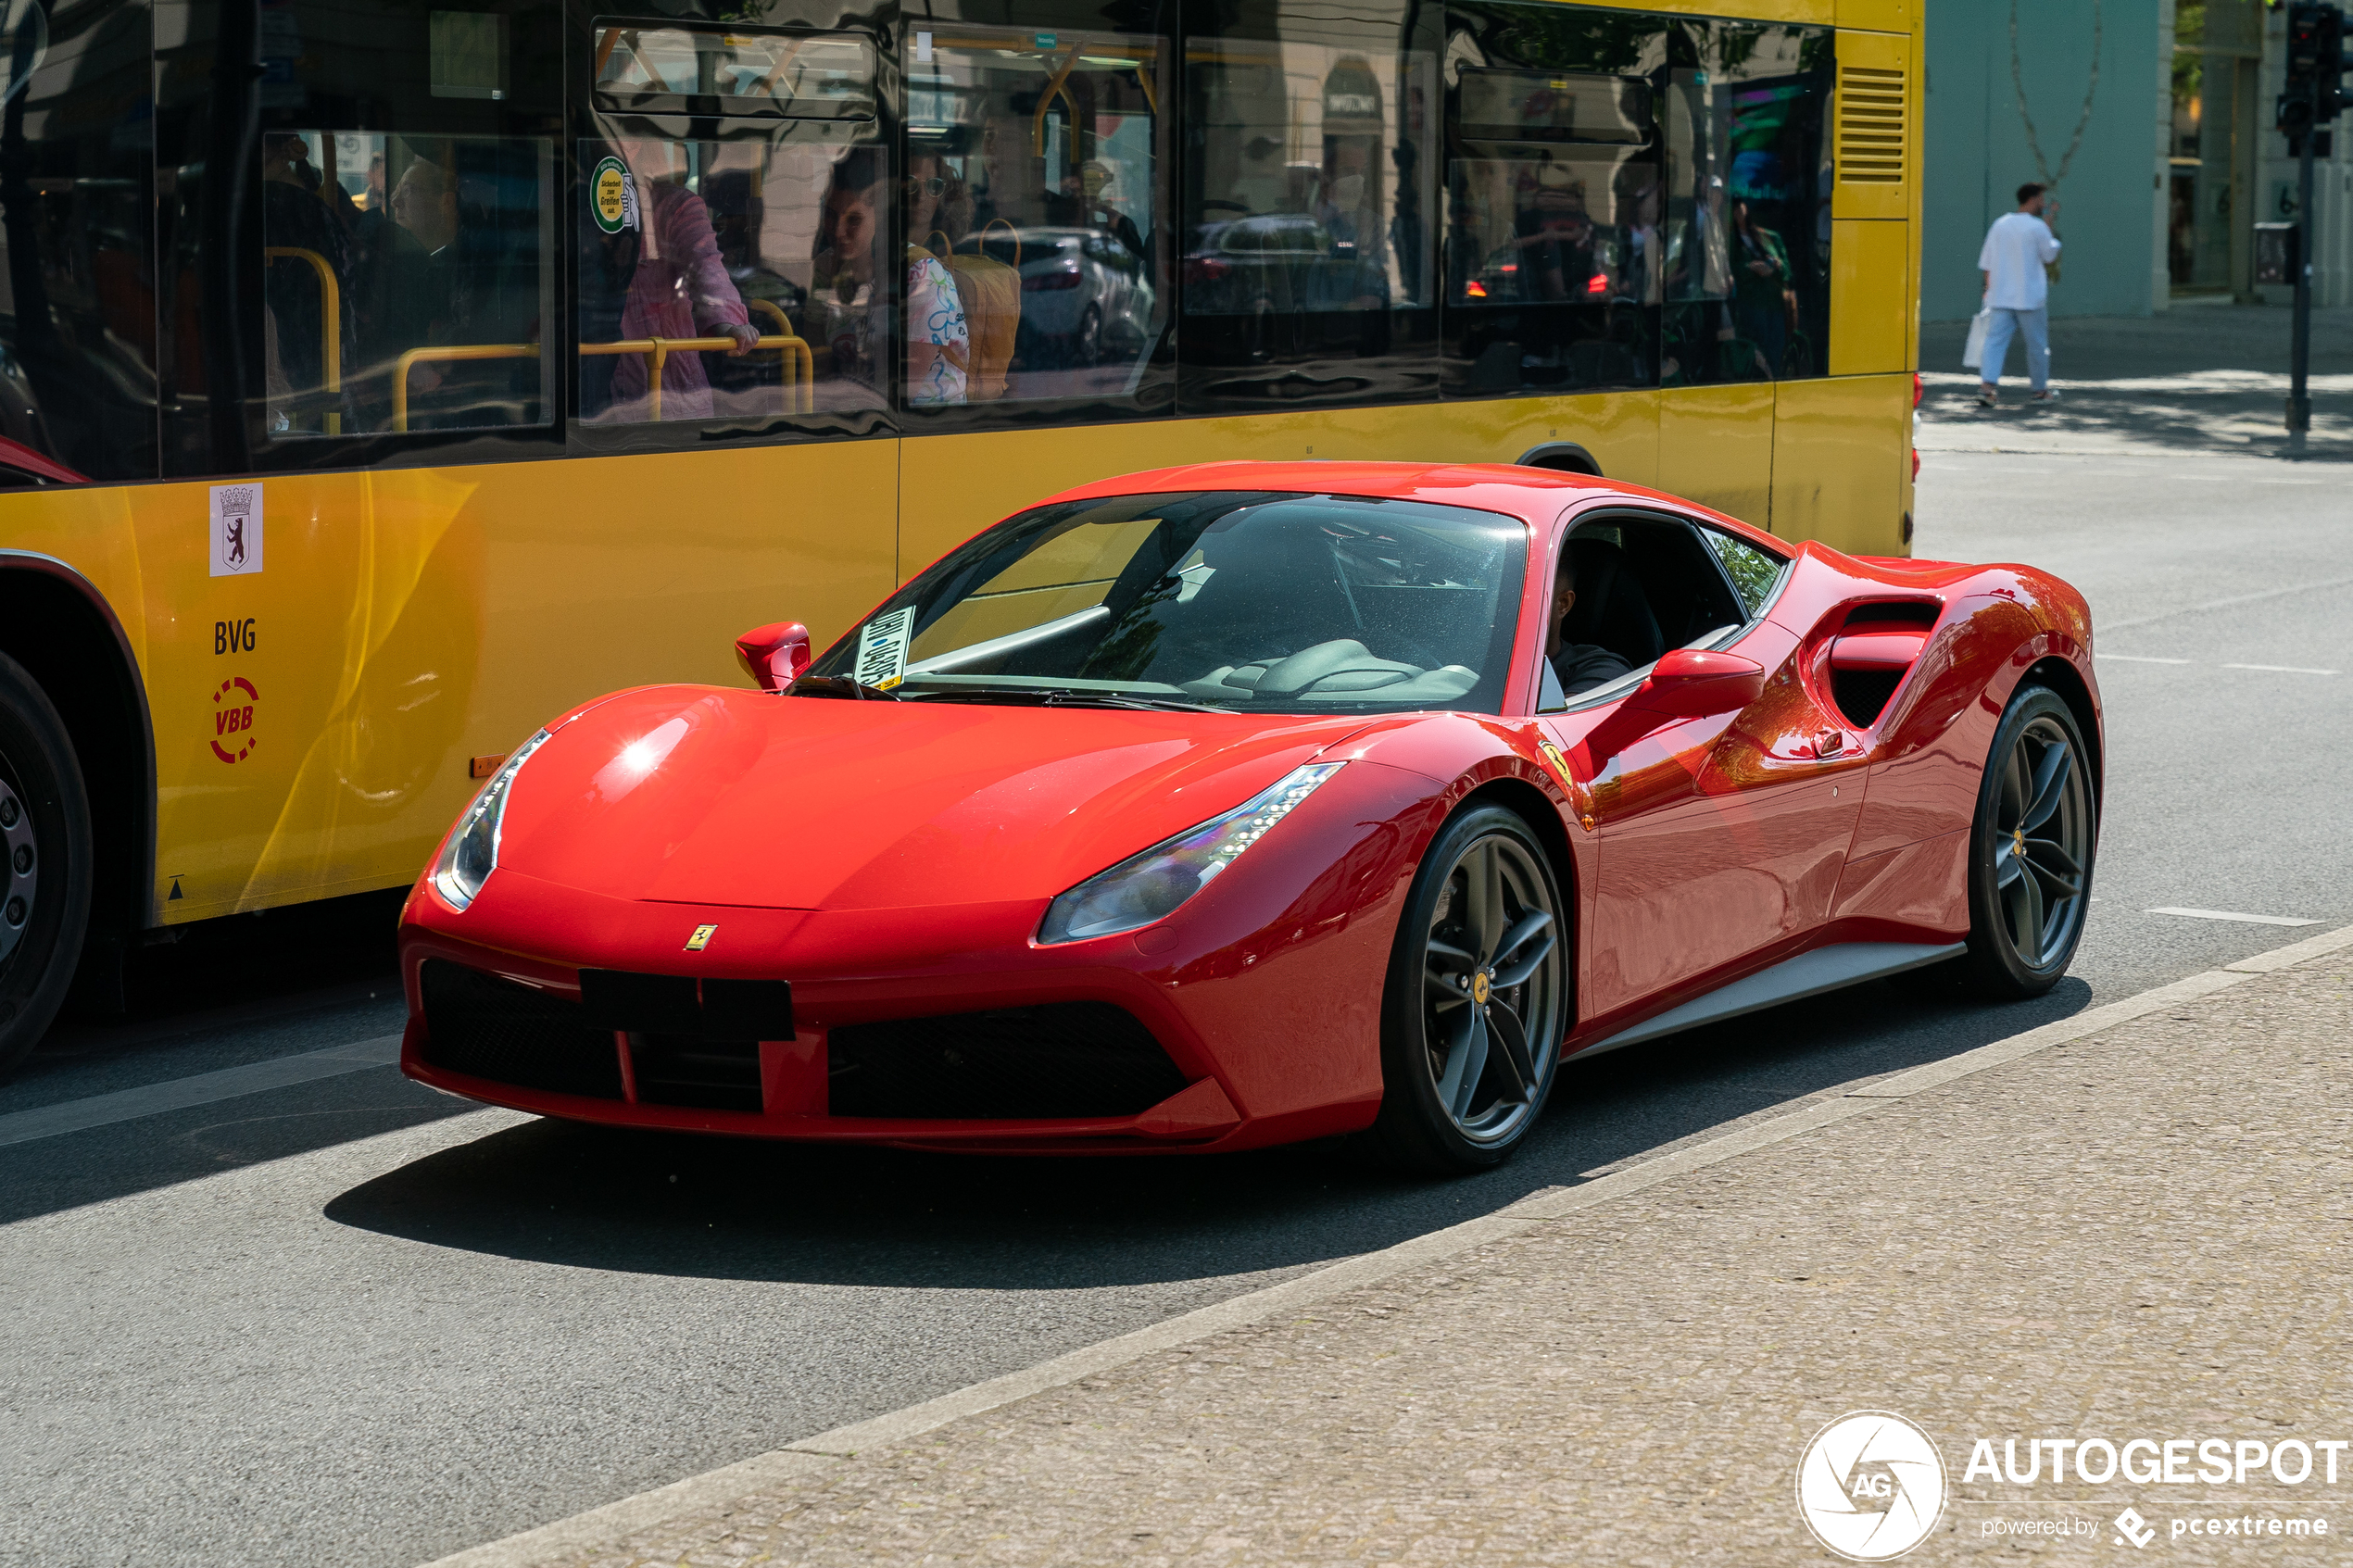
(715, 796)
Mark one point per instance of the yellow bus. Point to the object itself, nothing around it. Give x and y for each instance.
(378, 379)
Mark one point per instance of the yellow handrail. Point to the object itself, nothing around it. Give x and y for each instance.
(794, 353)
(416, 357)
(330, 319)
(1045, 101)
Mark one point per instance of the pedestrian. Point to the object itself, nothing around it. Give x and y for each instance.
(2017, 247)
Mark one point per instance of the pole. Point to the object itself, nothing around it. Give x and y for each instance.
(2299, 400)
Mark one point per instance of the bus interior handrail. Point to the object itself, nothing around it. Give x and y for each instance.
(793, 353)
(329, 320)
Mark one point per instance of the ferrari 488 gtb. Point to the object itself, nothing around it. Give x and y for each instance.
(1223, 806)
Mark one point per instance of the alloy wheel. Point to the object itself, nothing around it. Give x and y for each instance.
(2041, 843)
(1492, 989)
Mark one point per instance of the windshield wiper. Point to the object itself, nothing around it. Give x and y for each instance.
(1061, 696)
(1123, 699)
(841, 686)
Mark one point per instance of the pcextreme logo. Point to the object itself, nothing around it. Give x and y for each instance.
(1870, 1485)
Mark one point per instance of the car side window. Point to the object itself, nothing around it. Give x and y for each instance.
(1754, 573)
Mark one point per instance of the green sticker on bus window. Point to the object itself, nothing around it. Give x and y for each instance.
(612, 197)
(1045, 41)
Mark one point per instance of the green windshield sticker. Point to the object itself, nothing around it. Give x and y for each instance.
(612, 197)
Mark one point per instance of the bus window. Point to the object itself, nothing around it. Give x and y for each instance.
(404, 281)
(730, 273)
(1748, 204)
(679, 70)
(1552, 200)
(755, 252)
(1034, 207)
(1310, 242)
(391, 270)
(76, 206)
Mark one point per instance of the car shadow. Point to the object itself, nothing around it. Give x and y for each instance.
(686, 1206)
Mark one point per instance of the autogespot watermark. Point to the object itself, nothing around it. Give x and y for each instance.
(1871, 1486)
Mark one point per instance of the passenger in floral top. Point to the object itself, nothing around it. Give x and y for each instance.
(938, 341)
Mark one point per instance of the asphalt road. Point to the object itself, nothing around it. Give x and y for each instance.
(351, 1321)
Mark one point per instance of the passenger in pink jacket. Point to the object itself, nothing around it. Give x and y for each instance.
(680, 289)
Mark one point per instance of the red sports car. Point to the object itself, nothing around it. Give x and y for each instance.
(1229, 805)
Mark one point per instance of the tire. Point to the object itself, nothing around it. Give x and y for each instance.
(2031, 850)
(45, 876)
(1464, 1079)
(1087, 346)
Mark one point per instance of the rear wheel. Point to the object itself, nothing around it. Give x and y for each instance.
(45, 862)
(1471, 1020)
(2031, 851)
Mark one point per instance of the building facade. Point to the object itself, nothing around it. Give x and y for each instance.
(2068, 93)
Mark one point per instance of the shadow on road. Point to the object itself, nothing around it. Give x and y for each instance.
(727, 1208)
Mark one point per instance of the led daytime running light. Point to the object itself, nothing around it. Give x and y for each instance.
(1149, 886)
(471, 852)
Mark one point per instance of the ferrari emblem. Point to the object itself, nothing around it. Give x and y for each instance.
(702, 938)
(1479, 985)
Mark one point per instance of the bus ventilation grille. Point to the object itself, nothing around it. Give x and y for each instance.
(1058, 1060)
(1870, 126)
(486, 1027)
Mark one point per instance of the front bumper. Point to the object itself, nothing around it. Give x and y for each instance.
(1263, 992)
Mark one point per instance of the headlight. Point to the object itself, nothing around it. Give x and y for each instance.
(472, 848)
(1143, 887)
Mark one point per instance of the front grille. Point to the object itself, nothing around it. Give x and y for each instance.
(695, 1070)
(486, 1027)
(1059, 1061)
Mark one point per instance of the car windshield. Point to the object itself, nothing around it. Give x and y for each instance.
(1258, 601)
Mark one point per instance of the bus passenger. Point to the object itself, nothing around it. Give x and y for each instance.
(850, 239)
(680, 289)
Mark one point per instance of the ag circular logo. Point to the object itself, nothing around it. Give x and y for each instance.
(1870, 1485)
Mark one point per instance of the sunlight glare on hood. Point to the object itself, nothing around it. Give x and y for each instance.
(638, 758)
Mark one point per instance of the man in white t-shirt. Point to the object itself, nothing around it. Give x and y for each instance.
(2017, 247)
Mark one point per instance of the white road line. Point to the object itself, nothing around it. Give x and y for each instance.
(2285, 669)
(2139, 659)
(178, 1094)
(2230, 603)
(825, 1452)
(2229, 914)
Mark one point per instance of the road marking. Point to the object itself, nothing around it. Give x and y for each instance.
(2229, 914)
(2230, 603)
(2139, 659)
(203, 1088)
(2283, 669)
(815, 1457)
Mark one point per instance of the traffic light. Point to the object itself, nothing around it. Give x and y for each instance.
(2313, 94)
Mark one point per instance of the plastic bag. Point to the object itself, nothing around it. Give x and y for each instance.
(1974, 352)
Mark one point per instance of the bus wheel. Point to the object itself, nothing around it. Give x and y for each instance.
(45, 878)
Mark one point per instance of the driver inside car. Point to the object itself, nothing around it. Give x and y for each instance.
(1581, 666)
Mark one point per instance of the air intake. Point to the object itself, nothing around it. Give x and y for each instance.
(1870, 126)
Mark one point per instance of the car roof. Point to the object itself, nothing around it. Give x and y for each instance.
(1536, 496)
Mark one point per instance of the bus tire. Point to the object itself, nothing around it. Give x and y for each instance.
(45, 876)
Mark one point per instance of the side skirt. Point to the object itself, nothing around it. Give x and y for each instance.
(1809, 974)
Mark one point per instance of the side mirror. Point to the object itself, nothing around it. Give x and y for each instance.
(776, 656)
(1690, 683)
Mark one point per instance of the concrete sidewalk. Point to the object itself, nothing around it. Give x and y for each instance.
(2208, 378)
(2140, 1231)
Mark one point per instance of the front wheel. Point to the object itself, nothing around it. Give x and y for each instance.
(1471, 1020)
(2031, 851)
(45, 862)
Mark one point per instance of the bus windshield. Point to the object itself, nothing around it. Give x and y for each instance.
(1245, 600)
